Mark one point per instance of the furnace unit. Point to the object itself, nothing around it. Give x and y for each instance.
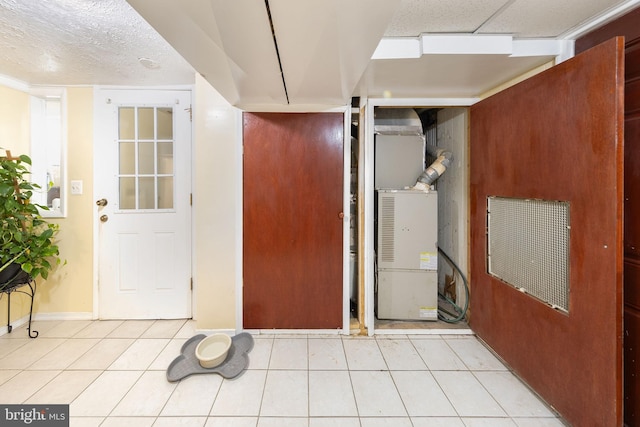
(407, 255)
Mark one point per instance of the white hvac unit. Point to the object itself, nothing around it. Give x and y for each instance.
(399, 160)
(407, 255)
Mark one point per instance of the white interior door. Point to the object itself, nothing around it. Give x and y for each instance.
(142, 190)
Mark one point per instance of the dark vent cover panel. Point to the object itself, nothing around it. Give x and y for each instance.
(528, 247)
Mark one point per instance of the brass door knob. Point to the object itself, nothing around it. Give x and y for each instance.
(102, 202)
(104, 218)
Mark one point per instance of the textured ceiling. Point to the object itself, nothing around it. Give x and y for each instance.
(324, 45)
(84, 42)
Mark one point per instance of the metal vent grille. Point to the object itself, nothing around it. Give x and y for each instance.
(386, 244)
(528, 247)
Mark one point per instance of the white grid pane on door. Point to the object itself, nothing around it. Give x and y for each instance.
(528, 247)
(146, 162)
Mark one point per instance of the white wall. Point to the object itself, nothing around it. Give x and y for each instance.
(217, 177)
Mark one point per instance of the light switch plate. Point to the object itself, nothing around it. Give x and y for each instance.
(76, 187)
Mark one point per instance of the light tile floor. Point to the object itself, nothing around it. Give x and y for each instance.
(113, 373)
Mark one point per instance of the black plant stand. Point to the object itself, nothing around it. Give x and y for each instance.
(18, 281)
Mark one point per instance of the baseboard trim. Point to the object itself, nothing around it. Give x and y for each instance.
(230, 332)
(64, 316)
(15, 324)
(424, 332)
(294, 331)
(46, 316)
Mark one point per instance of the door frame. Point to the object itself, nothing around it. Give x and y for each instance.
(346, 223)
(98, 131)
(366, 257)
(346, 111)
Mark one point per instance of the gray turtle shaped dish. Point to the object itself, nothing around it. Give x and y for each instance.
(187, 363)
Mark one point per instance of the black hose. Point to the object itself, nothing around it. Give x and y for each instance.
(460, 312)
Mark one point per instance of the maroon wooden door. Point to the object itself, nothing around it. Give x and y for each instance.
(558, 136)
(293, 198)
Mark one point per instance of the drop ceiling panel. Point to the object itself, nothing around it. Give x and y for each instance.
(228, 42)
(459, 76)
(545, 18)
(415, 17)
(325, 45)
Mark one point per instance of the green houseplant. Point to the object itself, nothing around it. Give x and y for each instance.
(27, 240)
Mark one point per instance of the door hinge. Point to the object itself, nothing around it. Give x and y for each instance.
(190, 110)
(191, 199)
(191, 283)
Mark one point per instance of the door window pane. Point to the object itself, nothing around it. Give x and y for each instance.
(127, 193)
(146, 193)
(146, 158)
(127, 158)
(165, 157)
(165, 123)
(126, 123)
(165, 192)
(146, 123)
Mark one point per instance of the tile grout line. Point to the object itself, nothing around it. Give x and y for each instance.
(266, 376)
(353, 390)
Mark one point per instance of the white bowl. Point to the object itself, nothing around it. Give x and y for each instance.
(212, 350)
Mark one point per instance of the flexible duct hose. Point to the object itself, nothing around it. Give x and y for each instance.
(436, 169)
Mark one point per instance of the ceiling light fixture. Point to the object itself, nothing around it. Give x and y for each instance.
(149, 63)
